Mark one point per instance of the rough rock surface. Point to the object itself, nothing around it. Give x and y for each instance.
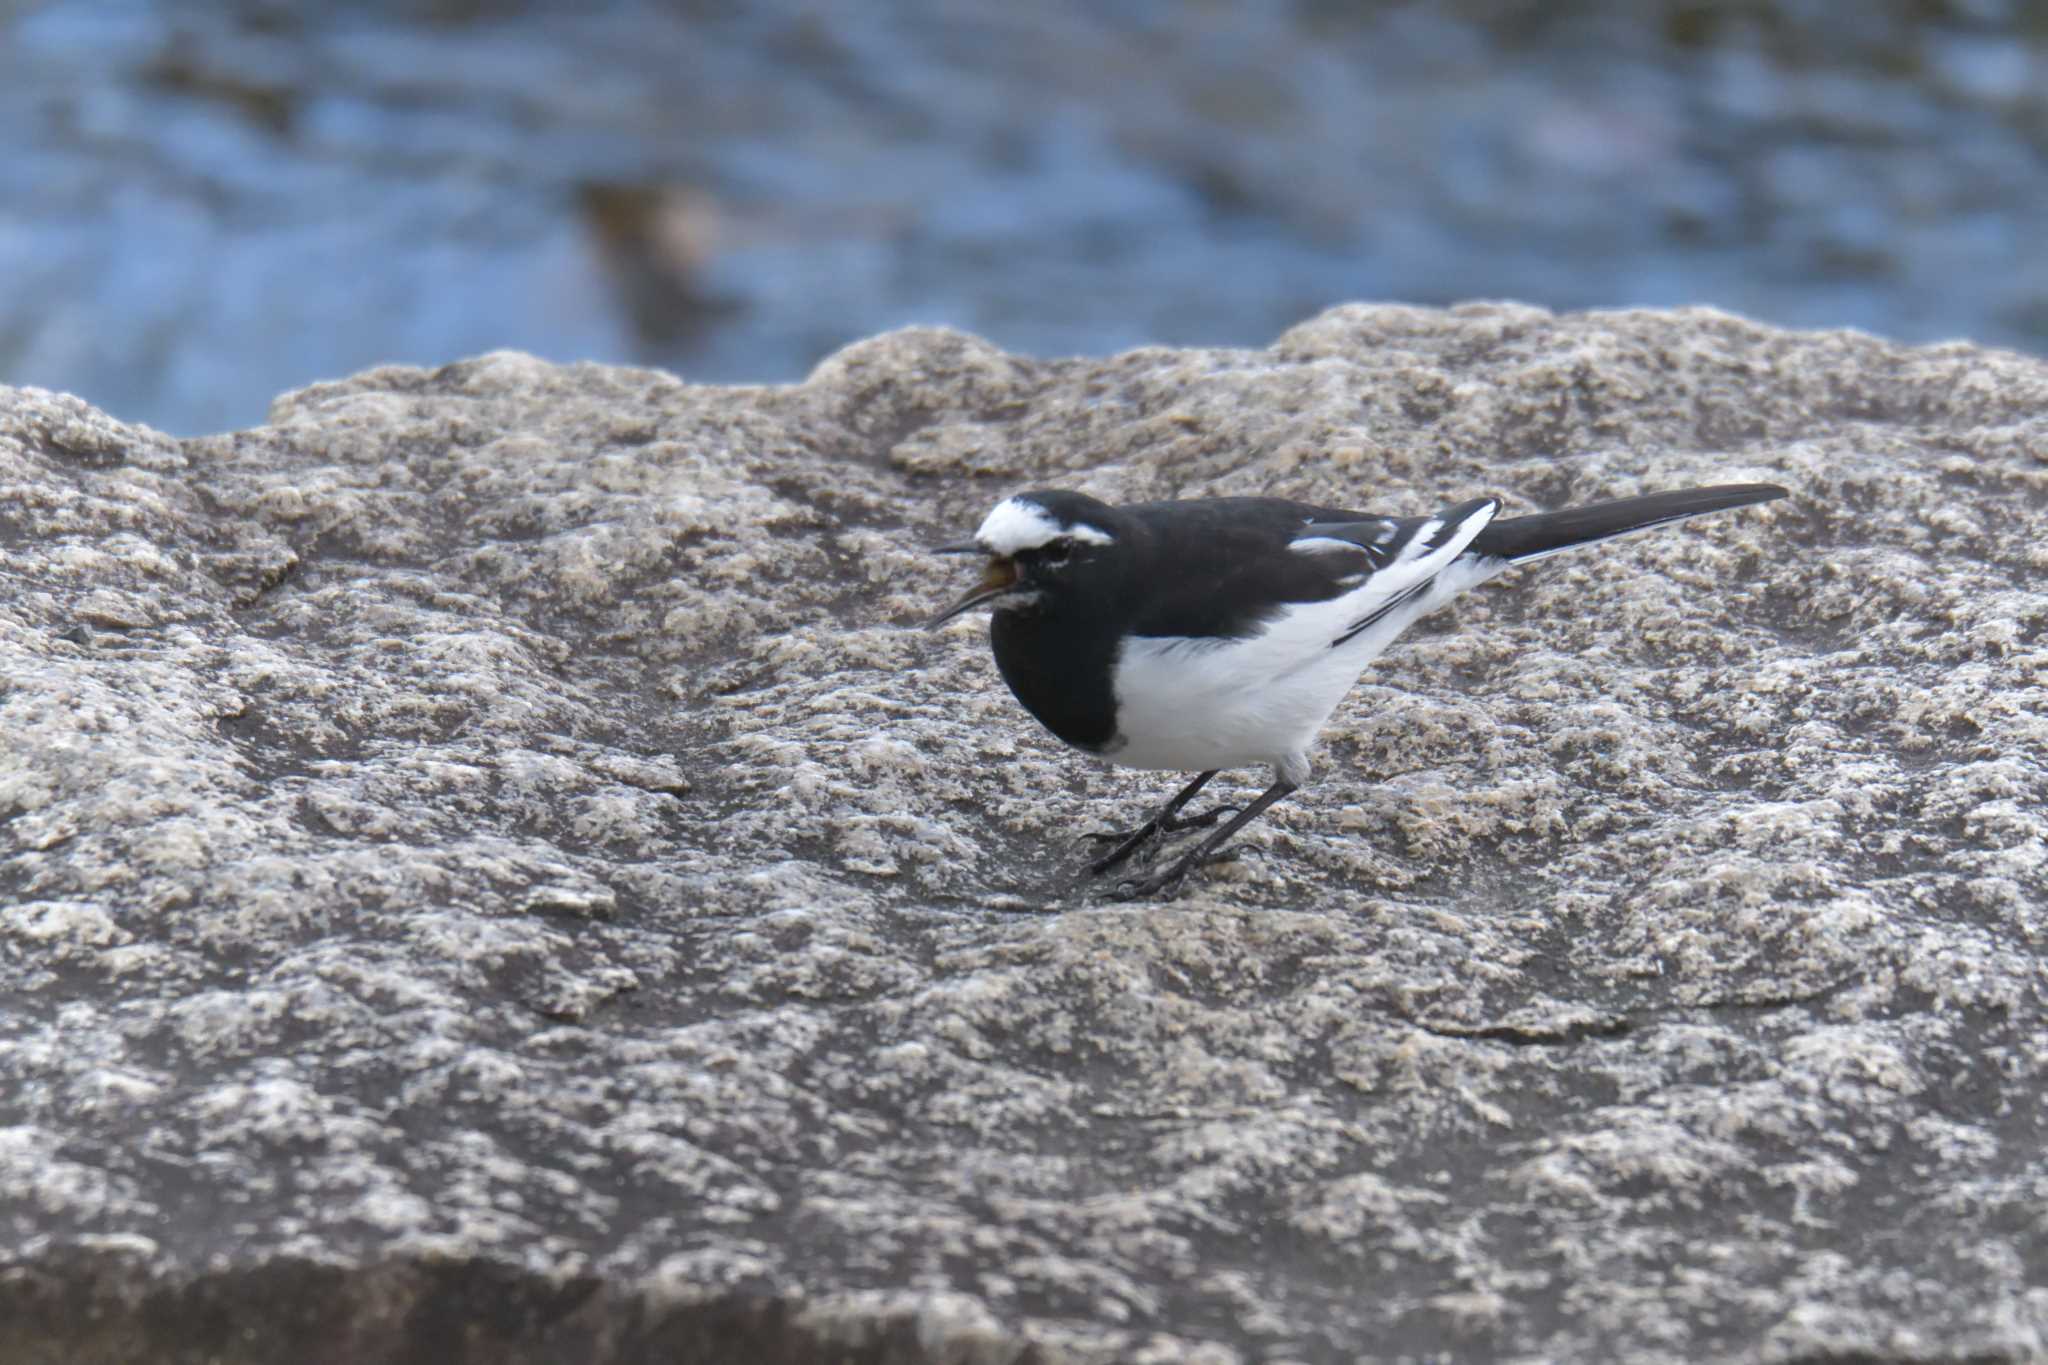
(490, 871)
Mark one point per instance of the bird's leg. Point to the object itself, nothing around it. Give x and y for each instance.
(1162, 821)
(1167, 822)
(1202, 821)
(1170, 879)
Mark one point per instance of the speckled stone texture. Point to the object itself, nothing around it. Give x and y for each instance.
(491, 871)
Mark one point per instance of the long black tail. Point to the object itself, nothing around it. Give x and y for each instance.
(1524, 538)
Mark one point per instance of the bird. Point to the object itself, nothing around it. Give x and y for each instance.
(1201, 634)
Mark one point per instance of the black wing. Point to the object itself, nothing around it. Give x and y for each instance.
(1388, 540)
(1223, 567)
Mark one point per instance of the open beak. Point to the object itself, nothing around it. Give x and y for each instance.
(997, 579)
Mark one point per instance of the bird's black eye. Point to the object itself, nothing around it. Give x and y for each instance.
(1057, 551)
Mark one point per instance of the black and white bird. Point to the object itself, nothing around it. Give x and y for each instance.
(1218, 633)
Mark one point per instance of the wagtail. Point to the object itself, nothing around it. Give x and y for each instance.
(1216, 633)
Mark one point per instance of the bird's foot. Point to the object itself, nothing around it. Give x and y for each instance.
(1130, 841)
(1167, 883)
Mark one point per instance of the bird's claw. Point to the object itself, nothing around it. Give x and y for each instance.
(1131, 842)
(1131, 888)
(1114, 858)
(1167, 884)
(1205, 819)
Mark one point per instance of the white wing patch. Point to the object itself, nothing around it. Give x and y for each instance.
(1423, 534)
(1020, 524)
(1193, 705)
(1321, 545)
(1389, 602)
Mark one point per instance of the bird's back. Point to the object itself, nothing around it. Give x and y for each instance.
(1223, 567)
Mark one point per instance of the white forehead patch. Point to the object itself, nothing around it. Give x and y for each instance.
(1020, 524)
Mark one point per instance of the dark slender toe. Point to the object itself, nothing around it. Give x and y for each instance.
(1163, 821)
(1116, 857)
(1163, 885)
(1202, 821)
(1131, 843)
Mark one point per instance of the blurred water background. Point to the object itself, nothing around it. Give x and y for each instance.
(204, 204)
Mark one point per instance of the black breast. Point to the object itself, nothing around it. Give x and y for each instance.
(1060, 669)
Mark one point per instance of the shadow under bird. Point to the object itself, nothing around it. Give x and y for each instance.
(1217, 633)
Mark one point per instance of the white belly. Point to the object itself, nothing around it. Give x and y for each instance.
(1192, 705)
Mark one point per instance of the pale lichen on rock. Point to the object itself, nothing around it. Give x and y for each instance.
(488, 866)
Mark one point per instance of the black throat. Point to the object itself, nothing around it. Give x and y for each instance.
(1060, 664)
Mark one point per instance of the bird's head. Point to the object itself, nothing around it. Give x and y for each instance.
(1041, 547)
